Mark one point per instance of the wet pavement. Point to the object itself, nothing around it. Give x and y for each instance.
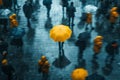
(37, 42)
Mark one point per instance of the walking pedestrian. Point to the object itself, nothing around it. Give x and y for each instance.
(3, 45)
(97, 46)
(88, 21)
(7, 69)
(47, 4)
(28, 10)
(112, 49)
(71, 13)
(44, 67)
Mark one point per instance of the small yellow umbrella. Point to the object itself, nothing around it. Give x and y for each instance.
(60, 33)
(79, 74)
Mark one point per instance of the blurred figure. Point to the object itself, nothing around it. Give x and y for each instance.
(97, 46)
(15, 2)
(47, 4)
(88, 21)
(7, 69)
(64, 5)
(44, 67)
(3, 46)
(113, 17)
(82, 43)
(112, 49)
(71, 13)
(28, 10)
(17, 35)
(37, 5)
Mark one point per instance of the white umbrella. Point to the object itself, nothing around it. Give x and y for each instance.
(90, 9)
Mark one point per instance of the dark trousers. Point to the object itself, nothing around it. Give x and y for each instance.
(71, 22)
(28, 22)
(10, 77)
(44, 76)
(48, 10)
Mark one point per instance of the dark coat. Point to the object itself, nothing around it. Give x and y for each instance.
(64, 3)
(111, 50)
(95, 76)
(81, 44)
(71, 11)
(47, 2)
(7, 69)
(28, 10)
(3, 46)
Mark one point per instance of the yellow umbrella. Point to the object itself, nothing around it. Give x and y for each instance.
(60, 33)
(79, 74)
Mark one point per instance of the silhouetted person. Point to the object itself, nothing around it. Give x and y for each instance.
(3, 45)
(37, 4)
(112, 49)
(47, 4)
(81, 46)
(71, 13)
(82, 42)
(28, 10)
(88, 21)
(44, 67)
(17, 35)
(64, 5)
(7, 69)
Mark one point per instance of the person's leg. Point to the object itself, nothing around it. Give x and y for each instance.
(73, 20)
(86, 26)
(69, 20)
(28, 22)
(48, 11)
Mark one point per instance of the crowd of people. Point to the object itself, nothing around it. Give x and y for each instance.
(109, 12)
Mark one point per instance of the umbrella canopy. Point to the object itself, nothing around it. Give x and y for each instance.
(79, 74)
(90, 9)
(60, 33)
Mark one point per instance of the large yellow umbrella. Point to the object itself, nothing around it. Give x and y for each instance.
(60, 33)
(79, 74)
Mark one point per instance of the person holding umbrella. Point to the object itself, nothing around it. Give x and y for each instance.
(97, 46)
(112, 49)
(43, 65)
